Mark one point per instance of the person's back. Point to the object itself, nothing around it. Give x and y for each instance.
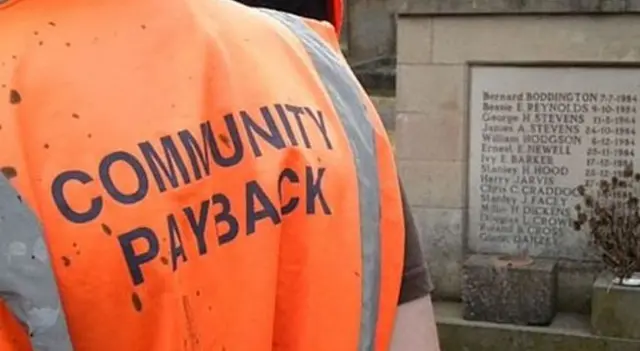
(206, 180)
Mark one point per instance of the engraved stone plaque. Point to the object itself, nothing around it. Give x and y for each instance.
(536, 133)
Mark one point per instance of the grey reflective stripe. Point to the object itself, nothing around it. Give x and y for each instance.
(345, 96)
(27, 284)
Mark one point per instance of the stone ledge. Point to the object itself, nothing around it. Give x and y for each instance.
(377, 76)
(517, 7)
(381, 82)
(567, 332)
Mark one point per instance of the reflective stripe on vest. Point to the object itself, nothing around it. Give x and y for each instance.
(344, 94)
(27, 284)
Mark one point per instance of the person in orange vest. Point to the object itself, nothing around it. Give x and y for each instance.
(196, 175)
(415, 327)
(331, 11)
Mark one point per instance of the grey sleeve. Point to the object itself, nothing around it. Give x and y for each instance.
(416, 282)
(27, 284)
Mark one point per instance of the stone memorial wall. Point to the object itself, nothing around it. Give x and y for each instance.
(557, 93)
(535, 135)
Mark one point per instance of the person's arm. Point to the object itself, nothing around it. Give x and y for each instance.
(415, 327)
(30, 307)
(13, 335)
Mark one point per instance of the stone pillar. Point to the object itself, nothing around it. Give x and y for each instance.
(431, 148)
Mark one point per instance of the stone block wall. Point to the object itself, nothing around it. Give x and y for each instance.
(371, 28)
(437, 42)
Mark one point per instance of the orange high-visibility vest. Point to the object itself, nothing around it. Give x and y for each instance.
(190, 175)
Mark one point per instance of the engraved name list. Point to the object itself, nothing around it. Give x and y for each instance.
(530, 148)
